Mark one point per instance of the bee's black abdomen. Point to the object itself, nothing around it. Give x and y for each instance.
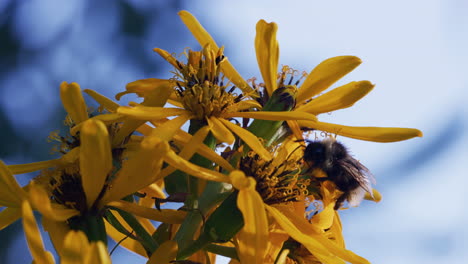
(315, 154)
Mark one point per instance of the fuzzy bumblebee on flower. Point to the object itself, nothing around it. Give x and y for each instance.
(244, 173)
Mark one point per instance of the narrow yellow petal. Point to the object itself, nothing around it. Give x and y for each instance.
(107, 119)
(145, 87)
(75, 248)
(271, 115)
(40, 200)
(150, 113)
(8, 216)
(253, 238)
(267, 50)
(248, 104)
(167, 56)
(165, 215)
(73, 101)
(176, 161)
(220, 132)
(376, 134)
(57, 232)
(95, 158)
(33, 236)
(337, 230)
(12, 194)
(167, 130)
(250, 139)
(203, 37)
(34, 166)
(97, 254)
(71, 156)
(165, 253)
(128, 243)
(325, 74)
(338, 98)
(105, 102)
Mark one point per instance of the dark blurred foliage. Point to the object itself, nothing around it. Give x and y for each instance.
(102, 45)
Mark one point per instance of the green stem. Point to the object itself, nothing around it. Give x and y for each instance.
(201, 242)
(145, 238)
(92, 225)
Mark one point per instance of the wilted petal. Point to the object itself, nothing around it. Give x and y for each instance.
(95, 158)
(33, 236)
(73, 101)
(376, 134)
(165, 253)
(325, 74)
(203, 37)
(338, 98)
(250, 139)
(267, 50)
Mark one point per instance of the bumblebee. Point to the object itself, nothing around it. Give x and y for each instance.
(348, 174)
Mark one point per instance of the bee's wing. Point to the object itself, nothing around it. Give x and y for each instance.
(359, 172)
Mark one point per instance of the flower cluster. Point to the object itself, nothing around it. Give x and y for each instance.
(242, 171)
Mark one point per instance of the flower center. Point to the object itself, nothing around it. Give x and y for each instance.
(278, 181)
(201, 87)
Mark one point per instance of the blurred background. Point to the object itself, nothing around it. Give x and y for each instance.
(414, 51)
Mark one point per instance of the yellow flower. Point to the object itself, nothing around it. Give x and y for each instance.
(317, 81)
(202, 94)
(78, 250)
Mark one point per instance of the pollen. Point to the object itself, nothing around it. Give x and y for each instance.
(201, 84)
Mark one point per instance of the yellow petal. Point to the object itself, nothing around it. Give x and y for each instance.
(12, 194)
(325, 74)
(8, 216)
(95, 159)
(203, 37)
(128, 243)
(271, 115)
(253, 238)
(140, 170)
(105, 102)
(248, 104)
(338, 98)
(73, 101)
(250, 139)
(376, 134)
(267, 50)
(167, 56)
(165, 215)
(376, 196)
(165, 253)
(33, 236)
(220, 132)
(145, 87)
(150, 113)
(174, 160)
(71, 156)
(167, 130)
(57, 232)
(299, 226)
(324, 219)
(40, 200)
(337, 230)
(97, 254)
(156, 97)
(30, 167)
(75, 248)
(107, 119)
